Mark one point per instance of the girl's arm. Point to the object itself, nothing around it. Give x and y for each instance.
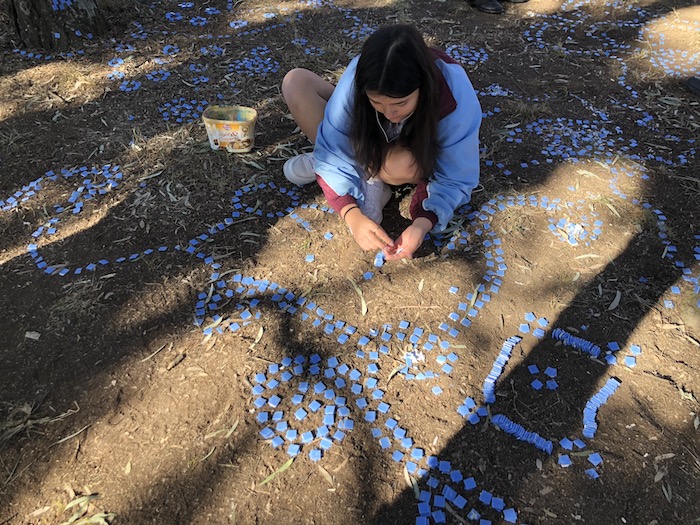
(457, 168)
(368, 234)
(333, 153)
(336, 170)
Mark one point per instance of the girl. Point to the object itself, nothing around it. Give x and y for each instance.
(401, 113)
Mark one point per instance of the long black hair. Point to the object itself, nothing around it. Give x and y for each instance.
(394, 62)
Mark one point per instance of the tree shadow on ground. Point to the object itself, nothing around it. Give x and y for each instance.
(510, 480)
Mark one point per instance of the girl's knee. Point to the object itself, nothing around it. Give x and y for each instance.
(399, 168)
(293, 82)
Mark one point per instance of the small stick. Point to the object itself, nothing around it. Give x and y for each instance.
(72, 435)
(175, 362)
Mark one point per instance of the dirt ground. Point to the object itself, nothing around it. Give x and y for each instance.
(188, 339)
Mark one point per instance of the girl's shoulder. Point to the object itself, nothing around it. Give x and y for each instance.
(455, 88)
(344, 87)
(441, 55)
(452, 70)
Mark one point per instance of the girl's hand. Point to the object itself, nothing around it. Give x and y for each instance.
(409, 241)
(367, 233)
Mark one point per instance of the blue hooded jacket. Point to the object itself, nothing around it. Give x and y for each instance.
(456, 170)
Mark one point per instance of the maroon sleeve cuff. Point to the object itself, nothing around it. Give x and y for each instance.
(416, 209)
(335, 201)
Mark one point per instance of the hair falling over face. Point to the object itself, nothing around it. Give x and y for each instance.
(394, 65)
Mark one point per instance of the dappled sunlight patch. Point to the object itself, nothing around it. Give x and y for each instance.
(671, 45)
(51, 87)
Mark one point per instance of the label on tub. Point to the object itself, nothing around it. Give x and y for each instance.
(232, 129)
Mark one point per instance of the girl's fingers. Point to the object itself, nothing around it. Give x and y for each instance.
(380, 234)
(371, 236)
(398, 254)
(376, 242)
(394, 252)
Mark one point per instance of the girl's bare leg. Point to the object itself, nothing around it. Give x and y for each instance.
(306, 95)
